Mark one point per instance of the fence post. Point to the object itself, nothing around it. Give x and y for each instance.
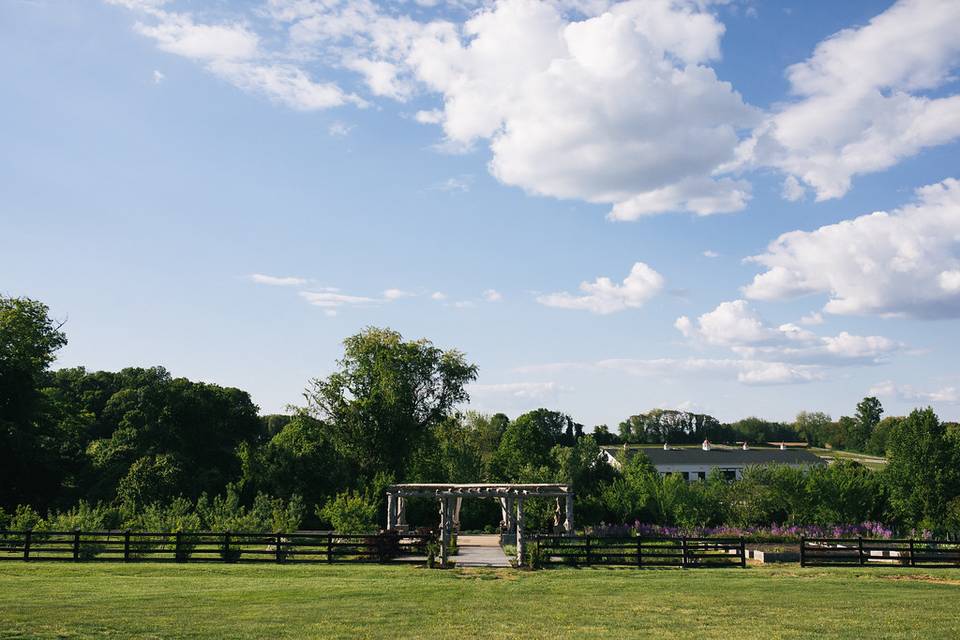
(587, 540)
(177, 546)
(279, 553)
(912, 561)
(743, 553)
(683, 552)
(803, 550)
(639, 551)
(329, 548)
(76, 545)
(126, 546)
(26, 545)
(860, 549)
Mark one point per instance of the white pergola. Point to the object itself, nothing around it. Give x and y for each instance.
(450, 497)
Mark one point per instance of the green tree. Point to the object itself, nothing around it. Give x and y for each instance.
(868, 415)
(386, 394)
(923, 473)
(30, 450)
(813, 427)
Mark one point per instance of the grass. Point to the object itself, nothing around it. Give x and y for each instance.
(50, 600)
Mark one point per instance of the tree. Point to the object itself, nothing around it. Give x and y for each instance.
(868, 415)
(386, 395)
(29, 450)
(923, 473)
(813, 427)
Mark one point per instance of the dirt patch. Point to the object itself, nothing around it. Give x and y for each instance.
(924, 578)
(485, 574)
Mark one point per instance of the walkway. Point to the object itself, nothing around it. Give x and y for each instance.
(480, 551)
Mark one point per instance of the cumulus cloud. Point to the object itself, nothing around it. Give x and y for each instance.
(612, 103)
(277, 281)
(604, 296)
(737, 326)
(492, 295)
(396, 294)
(710, 254)
(867, 98)
(903, 262)
(907, 393)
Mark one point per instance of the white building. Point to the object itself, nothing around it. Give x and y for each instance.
(696, 464)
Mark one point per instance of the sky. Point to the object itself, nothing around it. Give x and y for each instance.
(739, 208)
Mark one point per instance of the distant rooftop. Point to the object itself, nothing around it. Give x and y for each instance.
(730, 457)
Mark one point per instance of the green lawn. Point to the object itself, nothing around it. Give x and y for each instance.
(49, 600)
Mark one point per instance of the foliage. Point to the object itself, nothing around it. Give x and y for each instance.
(350, 512)
(30, 451)
(664, 425)
(386, 395)
(923, 474)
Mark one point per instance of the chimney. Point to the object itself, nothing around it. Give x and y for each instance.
(782, 446)
(666, 447)
(745, 447)
(706, 445)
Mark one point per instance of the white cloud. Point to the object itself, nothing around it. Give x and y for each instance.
(604, 296)
(158, 76)
(332, 299)
(233, 52)
(617, 106)
(438, 295)
(904, 262)
(744, 371)
(811, 319)
(460, 184)
(492, 295)
(522, 390)
(338, 129)
(710, 254)
(396, 294)
(277, 281)
(907, 393)
(863, 100)
(735, 325)
(792, 189)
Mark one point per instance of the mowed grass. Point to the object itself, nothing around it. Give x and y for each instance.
(50, 600)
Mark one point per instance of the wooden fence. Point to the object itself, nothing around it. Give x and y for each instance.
(641, 552)
(860, 552)
(208, 546)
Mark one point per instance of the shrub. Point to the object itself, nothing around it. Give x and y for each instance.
(350, 512)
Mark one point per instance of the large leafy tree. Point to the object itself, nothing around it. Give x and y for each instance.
(29, 450)
(923, 473)
(386, 396)
(867, 418)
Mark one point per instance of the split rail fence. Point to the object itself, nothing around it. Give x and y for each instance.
(641, 552)
(860, 552)
(207, 546)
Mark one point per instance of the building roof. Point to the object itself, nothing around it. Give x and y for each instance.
(730, 457)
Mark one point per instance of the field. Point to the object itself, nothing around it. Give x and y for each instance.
(50, 600)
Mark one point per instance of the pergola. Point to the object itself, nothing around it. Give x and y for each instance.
(450, 496)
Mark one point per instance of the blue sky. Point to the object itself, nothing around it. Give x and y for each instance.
(582, 196)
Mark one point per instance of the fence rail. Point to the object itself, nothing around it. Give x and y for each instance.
(860, 552)
(641, 552)
(209, 546)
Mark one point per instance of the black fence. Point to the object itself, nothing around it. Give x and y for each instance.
(860, 552)
(641, 552)
(208, 546)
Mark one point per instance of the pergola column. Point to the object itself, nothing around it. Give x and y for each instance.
(401, 513)
(568, 525)
(520, 551)
(456, 513)
(511, 513)
(391, 511)
(445, 517)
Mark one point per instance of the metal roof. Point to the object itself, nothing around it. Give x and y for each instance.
(729, 457)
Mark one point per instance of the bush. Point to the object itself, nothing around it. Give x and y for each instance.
(350, 512)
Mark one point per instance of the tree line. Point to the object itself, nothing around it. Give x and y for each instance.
(141, 448)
